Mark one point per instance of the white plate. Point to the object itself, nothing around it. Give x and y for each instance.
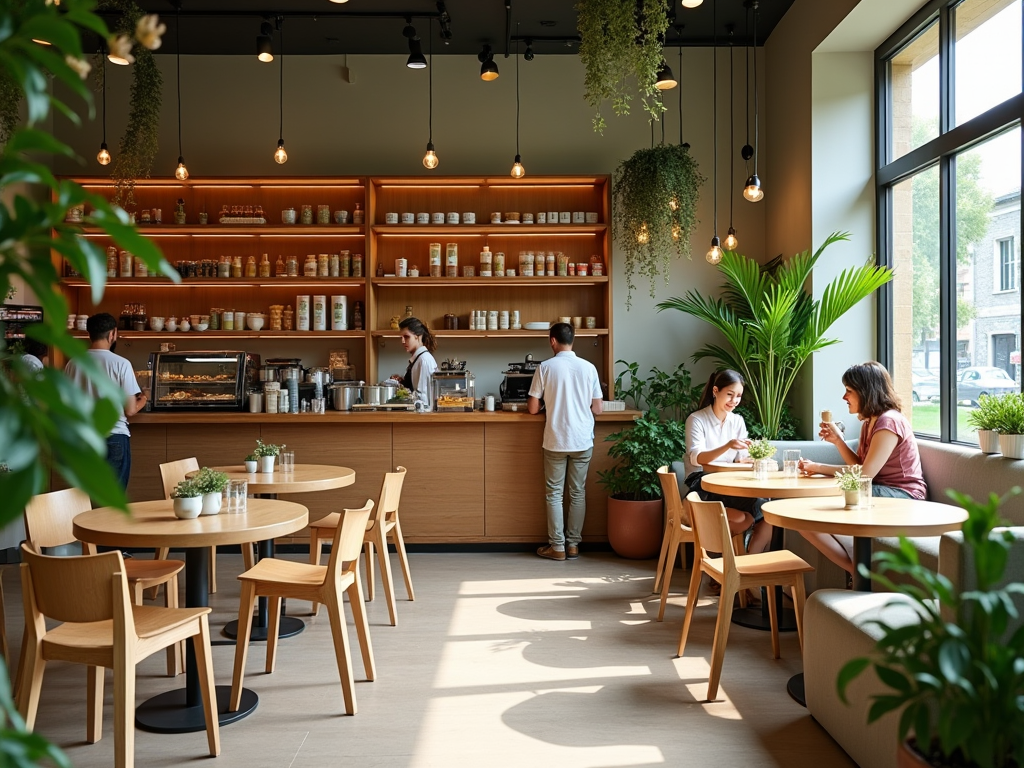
(536, 326)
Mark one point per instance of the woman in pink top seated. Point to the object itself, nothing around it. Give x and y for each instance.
(887, 451)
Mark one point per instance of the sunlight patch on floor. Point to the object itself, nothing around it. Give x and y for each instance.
(474, 663)
(637, 608)
(524, 586)
(462, 731)
(483, 616)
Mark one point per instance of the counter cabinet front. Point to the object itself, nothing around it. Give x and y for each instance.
(473, 478)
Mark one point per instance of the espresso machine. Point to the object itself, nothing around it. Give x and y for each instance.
(515, 387)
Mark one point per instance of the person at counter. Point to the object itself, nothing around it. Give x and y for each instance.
(102, 330)
(571, 391)
(419, 342)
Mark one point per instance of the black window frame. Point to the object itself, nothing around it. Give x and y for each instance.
(952, 140)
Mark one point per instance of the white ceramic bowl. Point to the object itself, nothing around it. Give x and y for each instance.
(201, 326)
(255, 322)
(156, 323)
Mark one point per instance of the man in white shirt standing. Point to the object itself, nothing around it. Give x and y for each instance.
(571, 392)
(103, 339)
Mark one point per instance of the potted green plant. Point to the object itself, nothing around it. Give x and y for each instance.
(848, 480)
(985, 419)
(761, 451)
(1009, 423)
(267, 452)
(772, 323)
(656, 438)
(211, 485)
(956, 673)
(655, 194)
(252, 462)
(621, 48)
(188, 499)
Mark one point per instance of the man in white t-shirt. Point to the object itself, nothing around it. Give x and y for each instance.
(571, 392)
(103, 339)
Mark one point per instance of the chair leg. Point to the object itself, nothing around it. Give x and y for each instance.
(370, 577)
(665, 571)
(692, 597)
(314, 556)
(204, 664)
(384, 558)
(341, 651)
(721, 638)
(20, 672)
(213, 570)
(161, 553)
(176, 652)
(33, 666)
(245, 606)
(799, 596)
(355, 599)
(124, 706)
(94, 704)
(248, 556)
(273, 630)
(666, 538)
(773, 616)
(3, 629)
(403, 556)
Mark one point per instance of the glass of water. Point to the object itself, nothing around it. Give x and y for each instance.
(864, 494)
(236, 493)
(287, 461)
(790, 463)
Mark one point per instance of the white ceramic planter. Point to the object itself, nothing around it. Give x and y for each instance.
(1012, 446)
(250, 466)
(267, 464)
(188, 508)
(211, 503)
(852, 498)
(988, 440)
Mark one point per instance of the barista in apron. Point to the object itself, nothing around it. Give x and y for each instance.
(419, 342)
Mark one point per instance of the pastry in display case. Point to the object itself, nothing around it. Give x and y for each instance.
(454, 388)
(207, 380)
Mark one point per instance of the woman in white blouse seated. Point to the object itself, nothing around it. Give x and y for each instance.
(715, 433)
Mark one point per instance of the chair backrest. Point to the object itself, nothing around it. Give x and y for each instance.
(348, 539)
(711, 528)
(173, 472)
(75, 589)
(49, 517)
(390, 492)
(674, 507)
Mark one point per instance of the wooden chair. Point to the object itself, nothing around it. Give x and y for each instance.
(49, 521)
(736, 573)
(101, 628)
(383, 522)
(278, 579)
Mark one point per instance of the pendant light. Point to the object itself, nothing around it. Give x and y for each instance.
(731, 243)
(691, 3)
(488, 69)
(103, 156)
(280, 155)
(714, 254)
(517, 166)
(430, 160)
(265, 43)
(181, 172)
(665, 80)
(752, 191)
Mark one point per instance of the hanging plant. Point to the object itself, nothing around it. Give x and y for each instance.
(138, 145)
(620, 41)
(655, 195)
(10, 106)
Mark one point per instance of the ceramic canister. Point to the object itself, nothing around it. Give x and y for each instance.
(339, 313)
(302, 313)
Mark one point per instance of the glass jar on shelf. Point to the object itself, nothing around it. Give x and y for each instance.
(236, 266)
(307, 214)
(288, 318)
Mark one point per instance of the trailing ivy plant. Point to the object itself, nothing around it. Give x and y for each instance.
(655, 196)
(10, 106)
(621, 41)
(139, 144)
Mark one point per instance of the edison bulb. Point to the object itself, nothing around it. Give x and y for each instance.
(752, 191)
(517, 168)
(280, 156)
(643, 236)
(673, 204)
(181, 172)
(677, 231)
(731, 243)
(714, 254)
(103, 156)
(431, 160)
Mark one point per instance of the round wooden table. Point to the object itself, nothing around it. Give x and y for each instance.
(726, 466)
(153, 524)
(305, 478)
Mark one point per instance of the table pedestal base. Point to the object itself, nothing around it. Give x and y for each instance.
(758, 618)
(289, 626)
(168, 713)
(795, 688)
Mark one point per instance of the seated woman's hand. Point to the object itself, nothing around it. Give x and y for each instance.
(830, 432)
(807, 467)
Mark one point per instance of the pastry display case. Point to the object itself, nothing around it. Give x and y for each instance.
(208, 380)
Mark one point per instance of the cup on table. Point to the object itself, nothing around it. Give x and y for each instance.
(864, 495)
(235, 494)
(287, 461)
(790, 463)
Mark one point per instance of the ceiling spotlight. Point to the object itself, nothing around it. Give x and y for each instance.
(528, 54)
(488, 69)
(686, 3)
(416, 59)
(665, 80)
(264, 42)
(339, 2)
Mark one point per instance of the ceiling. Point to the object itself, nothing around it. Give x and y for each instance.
(320, 27)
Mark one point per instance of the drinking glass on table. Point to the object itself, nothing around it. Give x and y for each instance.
(864, 494)
(790, 463)
(236, 492)
(287, 461)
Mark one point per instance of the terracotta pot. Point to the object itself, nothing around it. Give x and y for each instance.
(908, 757)
(635, 528)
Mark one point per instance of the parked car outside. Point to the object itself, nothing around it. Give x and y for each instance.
(973, 382)
(926, 385)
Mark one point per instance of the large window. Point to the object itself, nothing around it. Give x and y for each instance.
(948, 179)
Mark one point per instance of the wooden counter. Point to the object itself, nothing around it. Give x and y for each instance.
(473, 477)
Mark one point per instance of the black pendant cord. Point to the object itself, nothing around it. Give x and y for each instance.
(652, 133)
(679, 76)
(104, 64)
(755, 89)
(663, 131)
(280, 132)
(430, 84)
(517, 89)
(746, 32)
(714, 102)
(732, 126)
(177, 44)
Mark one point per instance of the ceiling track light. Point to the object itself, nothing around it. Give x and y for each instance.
(280, 155)
(752, 190)
(686, 3)
(181, 172)
(430, 159)
(415, 60)
(665, 80)
(528, 53)
(264, 42)
(103, 156)
(488, 69)
(518, 171)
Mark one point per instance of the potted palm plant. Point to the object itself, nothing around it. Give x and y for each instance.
(956, 673)
(772, 323)
(211, 485)
(985, 419)
(188, 499)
